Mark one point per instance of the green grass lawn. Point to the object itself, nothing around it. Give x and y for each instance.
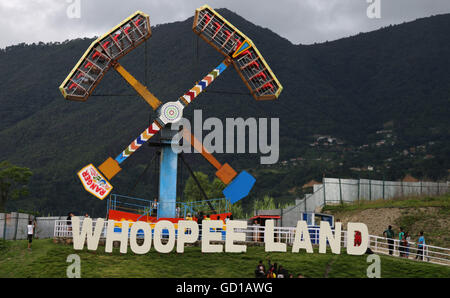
(49, 260)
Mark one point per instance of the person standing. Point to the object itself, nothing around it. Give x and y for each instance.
(275, 268)
(155, 207)
(407, 240)
(261, 267)
(69, 222)
(389, 234)
(282, 272)
(271, 273)
(30, 232)
(255, 231)
(199, 221)
(401, 243)
(260, 270)
(420, 245)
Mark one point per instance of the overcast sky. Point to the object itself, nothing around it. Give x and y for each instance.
(300, 21)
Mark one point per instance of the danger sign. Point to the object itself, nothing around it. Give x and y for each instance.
(94, 182)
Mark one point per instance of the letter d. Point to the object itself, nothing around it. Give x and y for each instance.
(352, 227)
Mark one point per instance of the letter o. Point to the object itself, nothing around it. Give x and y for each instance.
(157, 233)
(145, 247)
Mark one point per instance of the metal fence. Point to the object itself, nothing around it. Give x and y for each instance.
(336, 190)
(151, 208)
(256, 233)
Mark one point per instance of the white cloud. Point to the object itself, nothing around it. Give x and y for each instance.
(300, 21)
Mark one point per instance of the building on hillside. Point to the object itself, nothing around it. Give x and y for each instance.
(380, 143)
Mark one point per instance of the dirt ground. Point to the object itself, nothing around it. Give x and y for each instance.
(377, 220)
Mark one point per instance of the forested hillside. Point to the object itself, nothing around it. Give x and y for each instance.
(395, 79)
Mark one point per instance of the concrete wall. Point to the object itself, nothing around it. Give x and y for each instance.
(290, 215)
(13, 226)
(45, 226)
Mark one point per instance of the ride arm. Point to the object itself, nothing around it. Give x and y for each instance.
(141, 89)
(224, 172)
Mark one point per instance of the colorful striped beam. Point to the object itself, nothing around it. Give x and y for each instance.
(205, 82)
(153, 129)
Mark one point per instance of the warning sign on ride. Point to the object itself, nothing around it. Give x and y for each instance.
(94, 182)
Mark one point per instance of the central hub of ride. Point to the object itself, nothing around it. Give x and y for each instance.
(171, 112)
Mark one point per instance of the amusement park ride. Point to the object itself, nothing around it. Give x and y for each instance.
(104, 53)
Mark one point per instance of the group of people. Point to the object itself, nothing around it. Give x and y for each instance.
(69, 218)
(404, 240)
(273, 271)
(201, 217)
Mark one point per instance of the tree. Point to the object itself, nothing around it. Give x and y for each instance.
(13, 182)
(268, 203)
(237, 211)
(212, 189)
(191, 190)
(216, 189)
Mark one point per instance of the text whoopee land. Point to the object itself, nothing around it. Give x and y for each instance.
(188, 232)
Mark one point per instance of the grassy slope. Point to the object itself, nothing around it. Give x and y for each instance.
(428, 214)
(49, 260)
(415, 202)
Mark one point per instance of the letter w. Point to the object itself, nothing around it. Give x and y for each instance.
(92, 239)
(258, 287)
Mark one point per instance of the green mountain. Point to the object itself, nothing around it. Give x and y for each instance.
(396, 77)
